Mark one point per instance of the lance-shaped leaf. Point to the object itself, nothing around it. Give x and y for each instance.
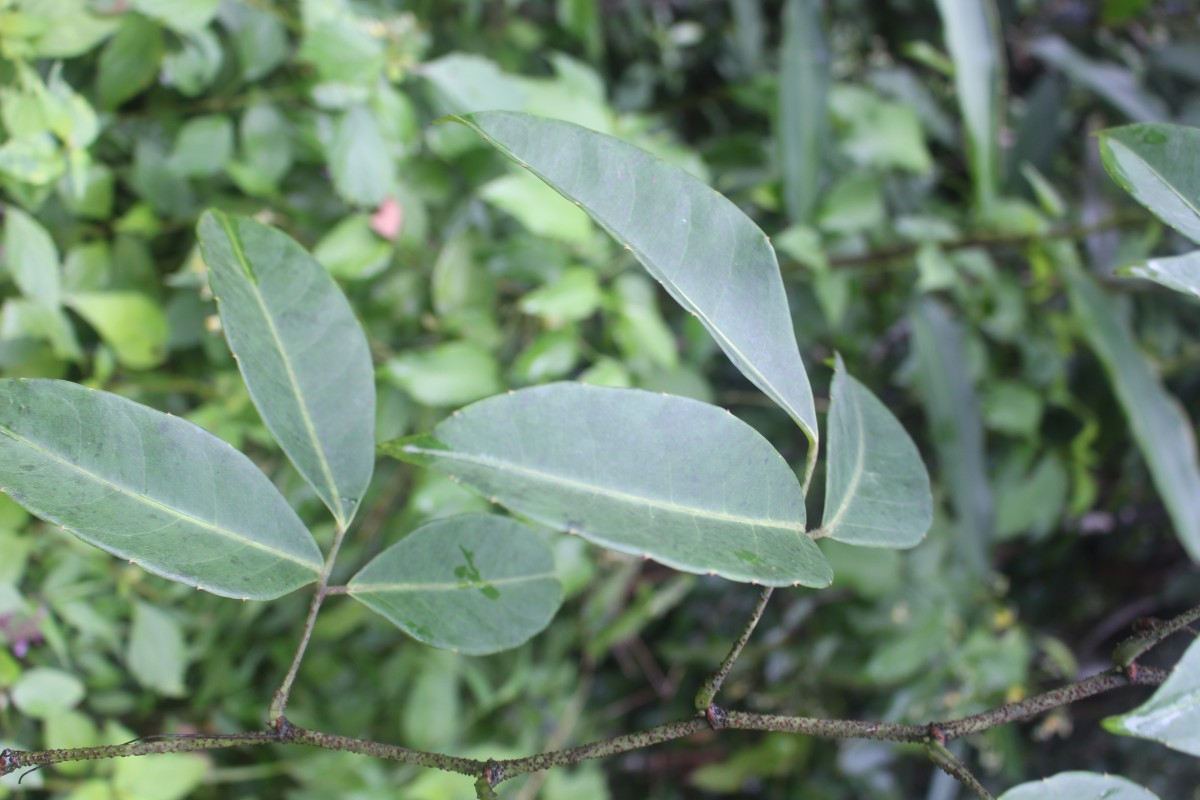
(876, 488)
(1172, 714)
(1159, 424)
(1157, 164)
(151, 488)
(952, 409)
(302, 354)
(1079, 786)
(709, 255)
(684, 483)
(972, 37)
(476, 584)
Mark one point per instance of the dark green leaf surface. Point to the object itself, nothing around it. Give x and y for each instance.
(1079, 786)
(1159, 165)
(1172, 714)
(709, 255)
(1159, 424)
(151, 488)
(476, 584)
(684, 483)
(301, 351)
(876, 489)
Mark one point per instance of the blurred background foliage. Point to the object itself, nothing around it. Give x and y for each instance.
(926, 174)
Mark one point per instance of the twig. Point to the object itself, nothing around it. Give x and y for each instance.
(708, 692)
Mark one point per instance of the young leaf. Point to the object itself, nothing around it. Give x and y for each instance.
(1172, 714)
(1159, 424)
(476, 584)
(709, 255)
(684, 483)
(151, 488)
(131, 323)
(877, 490)
(32, 258)
(1158, 164)
(302, 354)
(1079, 786)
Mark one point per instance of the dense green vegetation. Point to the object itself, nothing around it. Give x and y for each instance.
(932, 183)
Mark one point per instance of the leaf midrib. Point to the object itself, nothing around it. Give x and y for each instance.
(148, 501)
(857, 472)
(394, 588)
(335, 497)
(604, 491)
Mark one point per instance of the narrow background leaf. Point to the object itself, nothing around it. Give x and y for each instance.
(152, 488)
(476, 583)
(802, 116)
(682, 482)
(973, 38)
(301, 351)
(1172, 714)
(1159, 424)
(952, 408)
(709, 255)
(876, 487)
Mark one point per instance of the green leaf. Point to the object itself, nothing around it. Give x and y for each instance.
(170, 776)
(192, 68)
(476, 584)
(1110, 80)
(156, 654)
(1181, 273)
(131, 323)
(203, 147)
(32, 258)
(42, 692)
(1159, 165)
(129, 62)
(1079, 786)
(182, 16)
(259, 39)
(1172, 714)
(802, 117)
(709, 255)
(684, 483)
(952, 409)
(266, 150)
(539, 208)
(876, 490)
(360, 160)
(972, 37)
(573, 296)
(151, 488)
(301, 351)
(449, 374)
(352, 251)
(1159, 424)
